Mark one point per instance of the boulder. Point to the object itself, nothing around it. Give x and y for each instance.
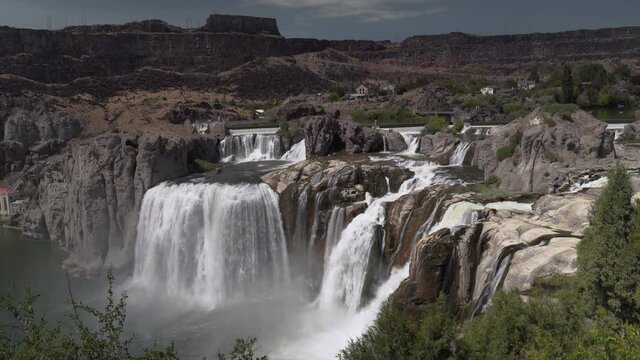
(12, 156)
(326, 135)
(393, 141)
(439, 146)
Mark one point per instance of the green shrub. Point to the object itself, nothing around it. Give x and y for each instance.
(387, 115)
(458, 125)
(283, 130)
(434, 124)
(507, 151)
(390, 337)
(205, 166)
(548, 120)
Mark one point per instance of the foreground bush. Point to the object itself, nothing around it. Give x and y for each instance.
(85, 333)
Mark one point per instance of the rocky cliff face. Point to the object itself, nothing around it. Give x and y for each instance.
(505, 249)
(241, 24)
(534, 154)
(310, 191)
(31, 135)
(326, 135)
(62, 56)
(582, 45)
(88, 197)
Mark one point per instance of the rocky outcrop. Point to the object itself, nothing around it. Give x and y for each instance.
(217, 23)
(504, 249)
(30, 135)
(298, 108)
(439, 146)
(535, 153)
(327, 135)
(33, 126)
(88, 196)
(311, 190)
(393, 141)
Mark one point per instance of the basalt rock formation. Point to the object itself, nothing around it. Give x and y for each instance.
(534, 153)
(87, 198)
(326, 135)
(310, 191)
(504, 249)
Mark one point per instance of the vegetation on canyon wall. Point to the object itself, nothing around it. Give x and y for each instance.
(595, 315)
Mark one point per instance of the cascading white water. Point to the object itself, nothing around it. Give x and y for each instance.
(346, 271)
(458, 214)
(586, 184)
(193, 241)
(413, 142)
(296, 153)
(457, 158)
(252, 147)
(334, 229)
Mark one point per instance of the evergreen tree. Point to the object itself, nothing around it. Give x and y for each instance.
(534, 75)
(567, 85)
(608, 261)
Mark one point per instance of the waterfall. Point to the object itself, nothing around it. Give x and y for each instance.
(334, 229)
(585, 183)
(345, 274)
(384, 143)
(211, 242)
(413, 142)
(252, 147)
(493, 282)
(456, 215)
(457, 158)
(296, 153)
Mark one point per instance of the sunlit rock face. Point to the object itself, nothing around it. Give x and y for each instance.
(545, 148)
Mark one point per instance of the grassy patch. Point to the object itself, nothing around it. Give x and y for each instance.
(385, 116)
(434, 124)
(206, 166)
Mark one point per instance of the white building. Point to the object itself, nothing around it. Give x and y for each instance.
(5, 206)
(526, 85)
(389, 89)
(488, 90)
(18, 207)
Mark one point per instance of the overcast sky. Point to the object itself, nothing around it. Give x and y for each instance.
(341, 19)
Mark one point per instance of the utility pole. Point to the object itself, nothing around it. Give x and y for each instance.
(49, 23)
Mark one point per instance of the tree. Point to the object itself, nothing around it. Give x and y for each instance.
(534, 75)
(567, 85)
(437, 332)
(608, 258)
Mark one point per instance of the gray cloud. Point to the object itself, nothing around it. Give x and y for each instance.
(364, 10)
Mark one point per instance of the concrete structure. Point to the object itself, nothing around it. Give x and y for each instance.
(526, 85)
(361, 92)
(5, 205)
(18, 207)
(488, 90)
(259, 114)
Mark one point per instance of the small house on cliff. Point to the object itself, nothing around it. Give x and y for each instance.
(362, 91)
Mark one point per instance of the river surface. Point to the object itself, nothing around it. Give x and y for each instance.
(287, 324)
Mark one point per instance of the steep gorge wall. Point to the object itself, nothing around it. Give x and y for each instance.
(60, 56)
(460, 48)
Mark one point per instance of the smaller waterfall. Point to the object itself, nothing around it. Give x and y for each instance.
(457, 158)
(586, 184)
(413, 142)
(297, 153)
(253, 147)
(456, 215)
(334, 229)
(493, 282)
